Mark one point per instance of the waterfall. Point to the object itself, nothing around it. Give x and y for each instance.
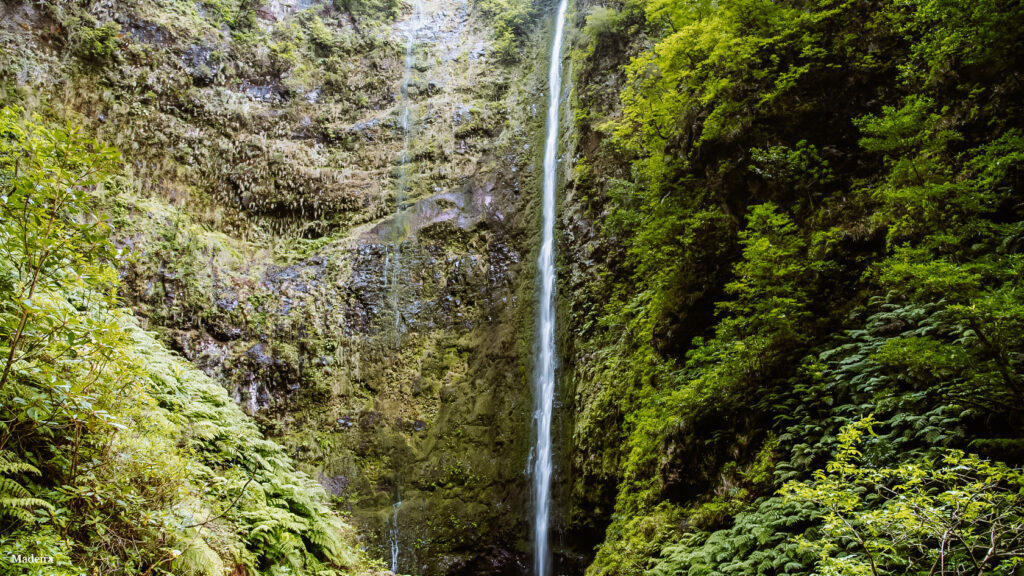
(412, 28)
(544, 368)
(393, 534)
(403, 179)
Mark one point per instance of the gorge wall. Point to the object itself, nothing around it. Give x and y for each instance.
(343, 243)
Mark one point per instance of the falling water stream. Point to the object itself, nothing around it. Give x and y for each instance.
(399, 235)
(393, 534)
(401, 193)
(544, 367)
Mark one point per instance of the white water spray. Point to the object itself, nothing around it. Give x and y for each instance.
(544, 369)
(393, 534)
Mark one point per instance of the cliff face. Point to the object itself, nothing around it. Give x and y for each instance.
(331, 212)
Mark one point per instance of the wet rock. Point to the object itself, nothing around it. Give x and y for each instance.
(479, 51)
(258, 354)
(369, 420)
(367, 287)
(201, 65)
(275, 10)
(463, 114)
(206, 352)
(227, 304)
(270, 93)
(145, 31)
(368, 131)
(334, 485)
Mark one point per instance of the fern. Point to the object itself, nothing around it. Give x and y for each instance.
(16, 502)
(198, 559)
(11, 464)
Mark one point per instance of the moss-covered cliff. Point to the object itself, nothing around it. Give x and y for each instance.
(117, 456)
(343, 243)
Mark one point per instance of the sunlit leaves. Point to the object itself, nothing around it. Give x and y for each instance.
(949, 36)
(961, 513)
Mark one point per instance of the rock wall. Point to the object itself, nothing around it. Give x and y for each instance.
(362, 284)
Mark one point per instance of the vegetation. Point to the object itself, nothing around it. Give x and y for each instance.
(512, 20)
(808, 212)
(115, 456)
(963, 515)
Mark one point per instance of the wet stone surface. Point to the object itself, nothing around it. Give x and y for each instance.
(346, 260)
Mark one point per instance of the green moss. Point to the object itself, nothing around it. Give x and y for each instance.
(95, 45)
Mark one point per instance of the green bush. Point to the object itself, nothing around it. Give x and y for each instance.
(956, 515)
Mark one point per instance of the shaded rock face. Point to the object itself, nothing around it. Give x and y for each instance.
(363, 289)
(201, 64)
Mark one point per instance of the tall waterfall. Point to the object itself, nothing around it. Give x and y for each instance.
(413, 26)
(544, 368)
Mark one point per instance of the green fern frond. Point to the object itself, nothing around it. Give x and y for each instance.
(15, 500)
(22, 508)
(11, 489)
(16, 513)
(11, 464)
(198, 559)
(327, 537)
(26, 503)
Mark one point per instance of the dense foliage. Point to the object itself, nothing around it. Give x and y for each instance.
(513, 20)
(115, 456)
(807, 212)
(961, 515)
